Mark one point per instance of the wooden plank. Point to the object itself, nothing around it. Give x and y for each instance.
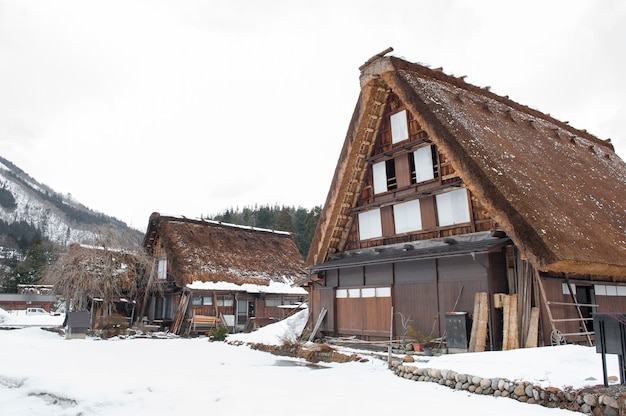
(320, 318)
(478, 338)
(483, 318)
(510, 332)
(472, 343)
(533, 329)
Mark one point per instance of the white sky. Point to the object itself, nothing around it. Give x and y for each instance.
(192, 107)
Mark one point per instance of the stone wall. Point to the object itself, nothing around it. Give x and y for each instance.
(597, 400)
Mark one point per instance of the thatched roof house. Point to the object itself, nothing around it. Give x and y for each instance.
(558, 192)
(204, 257)
(209, 251)
(555, 191)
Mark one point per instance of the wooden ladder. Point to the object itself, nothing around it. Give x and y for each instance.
(556, 336)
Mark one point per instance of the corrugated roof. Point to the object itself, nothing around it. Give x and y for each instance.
(420, 250)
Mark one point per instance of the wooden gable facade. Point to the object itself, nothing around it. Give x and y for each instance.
(208, 273)
(444, 190)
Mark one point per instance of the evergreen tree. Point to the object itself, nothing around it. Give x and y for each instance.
(284, 221)
(31, 270)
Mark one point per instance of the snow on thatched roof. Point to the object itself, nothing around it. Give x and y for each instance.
(557, 191)
(209, 251)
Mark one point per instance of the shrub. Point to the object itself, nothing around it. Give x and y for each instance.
(219, 333)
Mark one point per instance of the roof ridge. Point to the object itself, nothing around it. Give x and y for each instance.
(392, 63)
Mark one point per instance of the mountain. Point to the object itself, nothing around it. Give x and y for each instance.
(28, 208)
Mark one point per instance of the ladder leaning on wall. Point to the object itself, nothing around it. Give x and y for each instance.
(556, 336)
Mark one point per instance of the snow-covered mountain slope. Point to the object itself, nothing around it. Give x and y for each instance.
(57, 218)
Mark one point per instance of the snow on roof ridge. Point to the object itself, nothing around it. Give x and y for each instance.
(227, 224)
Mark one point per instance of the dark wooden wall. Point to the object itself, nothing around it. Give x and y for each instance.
(422, 292)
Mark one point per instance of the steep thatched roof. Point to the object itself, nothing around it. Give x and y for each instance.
(558, 192)
(208, 251)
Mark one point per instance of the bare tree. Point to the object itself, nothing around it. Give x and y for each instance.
(85, 274)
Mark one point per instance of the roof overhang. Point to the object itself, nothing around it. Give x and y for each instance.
(420, 250)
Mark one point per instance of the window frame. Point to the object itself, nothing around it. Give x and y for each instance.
(370, 224)
(407, 217)
(449, 205)
(399, 125)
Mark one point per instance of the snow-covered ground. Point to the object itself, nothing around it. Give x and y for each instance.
(41, 373)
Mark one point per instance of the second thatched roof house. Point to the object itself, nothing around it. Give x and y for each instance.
(207, 273)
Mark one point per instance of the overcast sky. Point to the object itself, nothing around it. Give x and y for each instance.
(192, 107)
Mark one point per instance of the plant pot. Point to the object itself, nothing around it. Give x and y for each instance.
(418, 346)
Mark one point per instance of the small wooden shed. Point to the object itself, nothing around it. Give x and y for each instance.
(77, 324)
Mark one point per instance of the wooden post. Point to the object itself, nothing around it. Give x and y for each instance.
(390, 339)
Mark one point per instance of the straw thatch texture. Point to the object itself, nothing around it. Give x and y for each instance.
(208, 251)
(557, 191)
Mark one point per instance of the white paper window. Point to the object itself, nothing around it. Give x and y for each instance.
(162, 270)
(399, 127)
(370, 225)
(354, 293)
(383, 292)
(452, 208)
(423, 158)
(566, 290)
(599, 289)
(341, 293)
(611, 290)
(368, 292)
(380, 177)
(621, 290)
(207, 300)
(407, 216)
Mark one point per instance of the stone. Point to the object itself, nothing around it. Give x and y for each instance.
(476, 380)
(479, 390)
(519, 390)
(522, 399)
(408, 359)
(610, 411)
(501, 384)
(531, 401)
(461, 378)
(485, 383)
(590, 399)
(528, 391)
(505, 393)
(497, 393)
(585, 408)
(494, 383)
(472, 388)
(435, 373)
(610, 401)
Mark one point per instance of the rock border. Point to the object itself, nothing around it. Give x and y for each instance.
(596, 401)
